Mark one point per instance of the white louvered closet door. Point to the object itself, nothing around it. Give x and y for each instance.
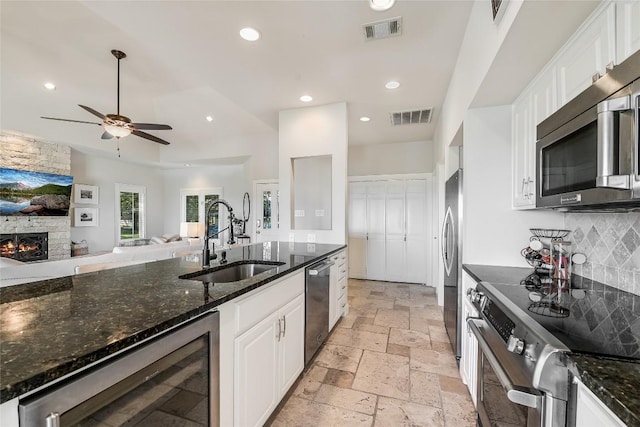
(389, 230)
(396, 268)
(376, 253)
(417, 220)
(357, 230)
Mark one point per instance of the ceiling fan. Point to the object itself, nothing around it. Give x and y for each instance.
(116, 125)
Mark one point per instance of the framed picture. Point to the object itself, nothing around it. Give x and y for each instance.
(34, 193)
(85, 217)
(85, 194)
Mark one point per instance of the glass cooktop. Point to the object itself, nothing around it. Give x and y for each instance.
(587, 316)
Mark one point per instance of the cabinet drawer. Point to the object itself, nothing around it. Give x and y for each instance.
(342, 304)
(342, 287)
(258, 306)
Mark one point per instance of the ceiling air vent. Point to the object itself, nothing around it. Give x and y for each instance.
(383, 29)
(411, 117)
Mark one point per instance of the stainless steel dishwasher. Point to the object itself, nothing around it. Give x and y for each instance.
(170, 379)
(316, 307)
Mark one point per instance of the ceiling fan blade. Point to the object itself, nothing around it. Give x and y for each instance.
(151, 126)
(106, 135)
(72, 121)
(92, 111)
(149, 137)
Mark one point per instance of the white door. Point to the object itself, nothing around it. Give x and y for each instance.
(256, 373)
(396, 237)
(267, 199)
(417, 235)
(291, 343)
(357, 244)
(376, 236)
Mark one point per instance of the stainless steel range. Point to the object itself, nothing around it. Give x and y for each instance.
(526, 331)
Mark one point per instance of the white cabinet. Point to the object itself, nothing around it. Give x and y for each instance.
(534, 105)
(388, 230)
(588, 53)
(338, 288)
(522, 134)
(469, 343)
(627, 28)
(269, 349)
(591, 412)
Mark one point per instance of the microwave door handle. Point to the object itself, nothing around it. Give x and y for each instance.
(607, 144)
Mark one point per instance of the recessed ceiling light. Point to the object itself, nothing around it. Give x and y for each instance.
(306, 98)
(250, 34)
(381, 5)
(209, 118)
(364, 119)
(392, 85)
(187, 164)
(50, 86)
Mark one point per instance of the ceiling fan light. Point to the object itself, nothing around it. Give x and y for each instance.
(381, 5)
(117, 131)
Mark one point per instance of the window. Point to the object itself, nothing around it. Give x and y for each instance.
(130, 212)
(194, 204)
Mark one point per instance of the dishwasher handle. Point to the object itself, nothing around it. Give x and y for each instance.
(314, 271)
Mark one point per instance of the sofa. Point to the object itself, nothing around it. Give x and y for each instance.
(15, 272)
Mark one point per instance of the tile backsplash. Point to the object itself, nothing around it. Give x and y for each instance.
(611, 242)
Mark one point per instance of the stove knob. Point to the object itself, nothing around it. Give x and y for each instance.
(515, 345)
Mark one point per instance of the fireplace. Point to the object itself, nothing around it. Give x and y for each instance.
(25, 246)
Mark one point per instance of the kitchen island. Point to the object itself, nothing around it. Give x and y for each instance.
(53, 328)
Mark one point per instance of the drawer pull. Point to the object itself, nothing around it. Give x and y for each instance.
(343, 304)
(343, 287)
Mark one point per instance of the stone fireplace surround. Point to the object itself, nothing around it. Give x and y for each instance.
(19, 151)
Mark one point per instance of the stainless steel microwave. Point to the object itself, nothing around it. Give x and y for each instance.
(587, 153)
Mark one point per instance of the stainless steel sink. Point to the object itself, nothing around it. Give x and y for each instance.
(233, 272)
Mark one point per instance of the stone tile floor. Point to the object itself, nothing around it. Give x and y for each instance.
(387, 363)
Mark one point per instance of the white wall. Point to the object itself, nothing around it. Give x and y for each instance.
(493, 233)
(105, 173)
(314, 131)
(390, 159)
(231, 178)
(481, 43)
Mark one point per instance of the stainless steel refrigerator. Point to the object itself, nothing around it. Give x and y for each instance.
(451, 241)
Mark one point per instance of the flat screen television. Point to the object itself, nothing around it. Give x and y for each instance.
(34, 193)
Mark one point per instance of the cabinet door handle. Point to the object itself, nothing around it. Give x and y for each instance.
(343, 304)
(279, 329)
(343, 287)
(284, 326)
(531, 193)
(524, 193)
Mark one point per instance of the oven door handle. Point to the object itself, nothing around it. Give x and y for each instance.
(517, 394)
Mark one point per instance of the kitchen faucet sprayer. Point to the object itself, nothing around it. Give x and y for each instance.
(206, 255)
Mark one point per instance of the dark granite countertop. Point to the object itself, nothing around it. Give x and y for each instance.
(612, 317)
(51, 328)
(614, 381)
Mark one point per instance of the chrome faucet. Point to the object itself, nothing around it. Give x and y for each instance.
(206, 256)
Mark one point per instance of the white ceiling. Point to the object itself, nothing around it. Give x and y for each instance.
(186, 61)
